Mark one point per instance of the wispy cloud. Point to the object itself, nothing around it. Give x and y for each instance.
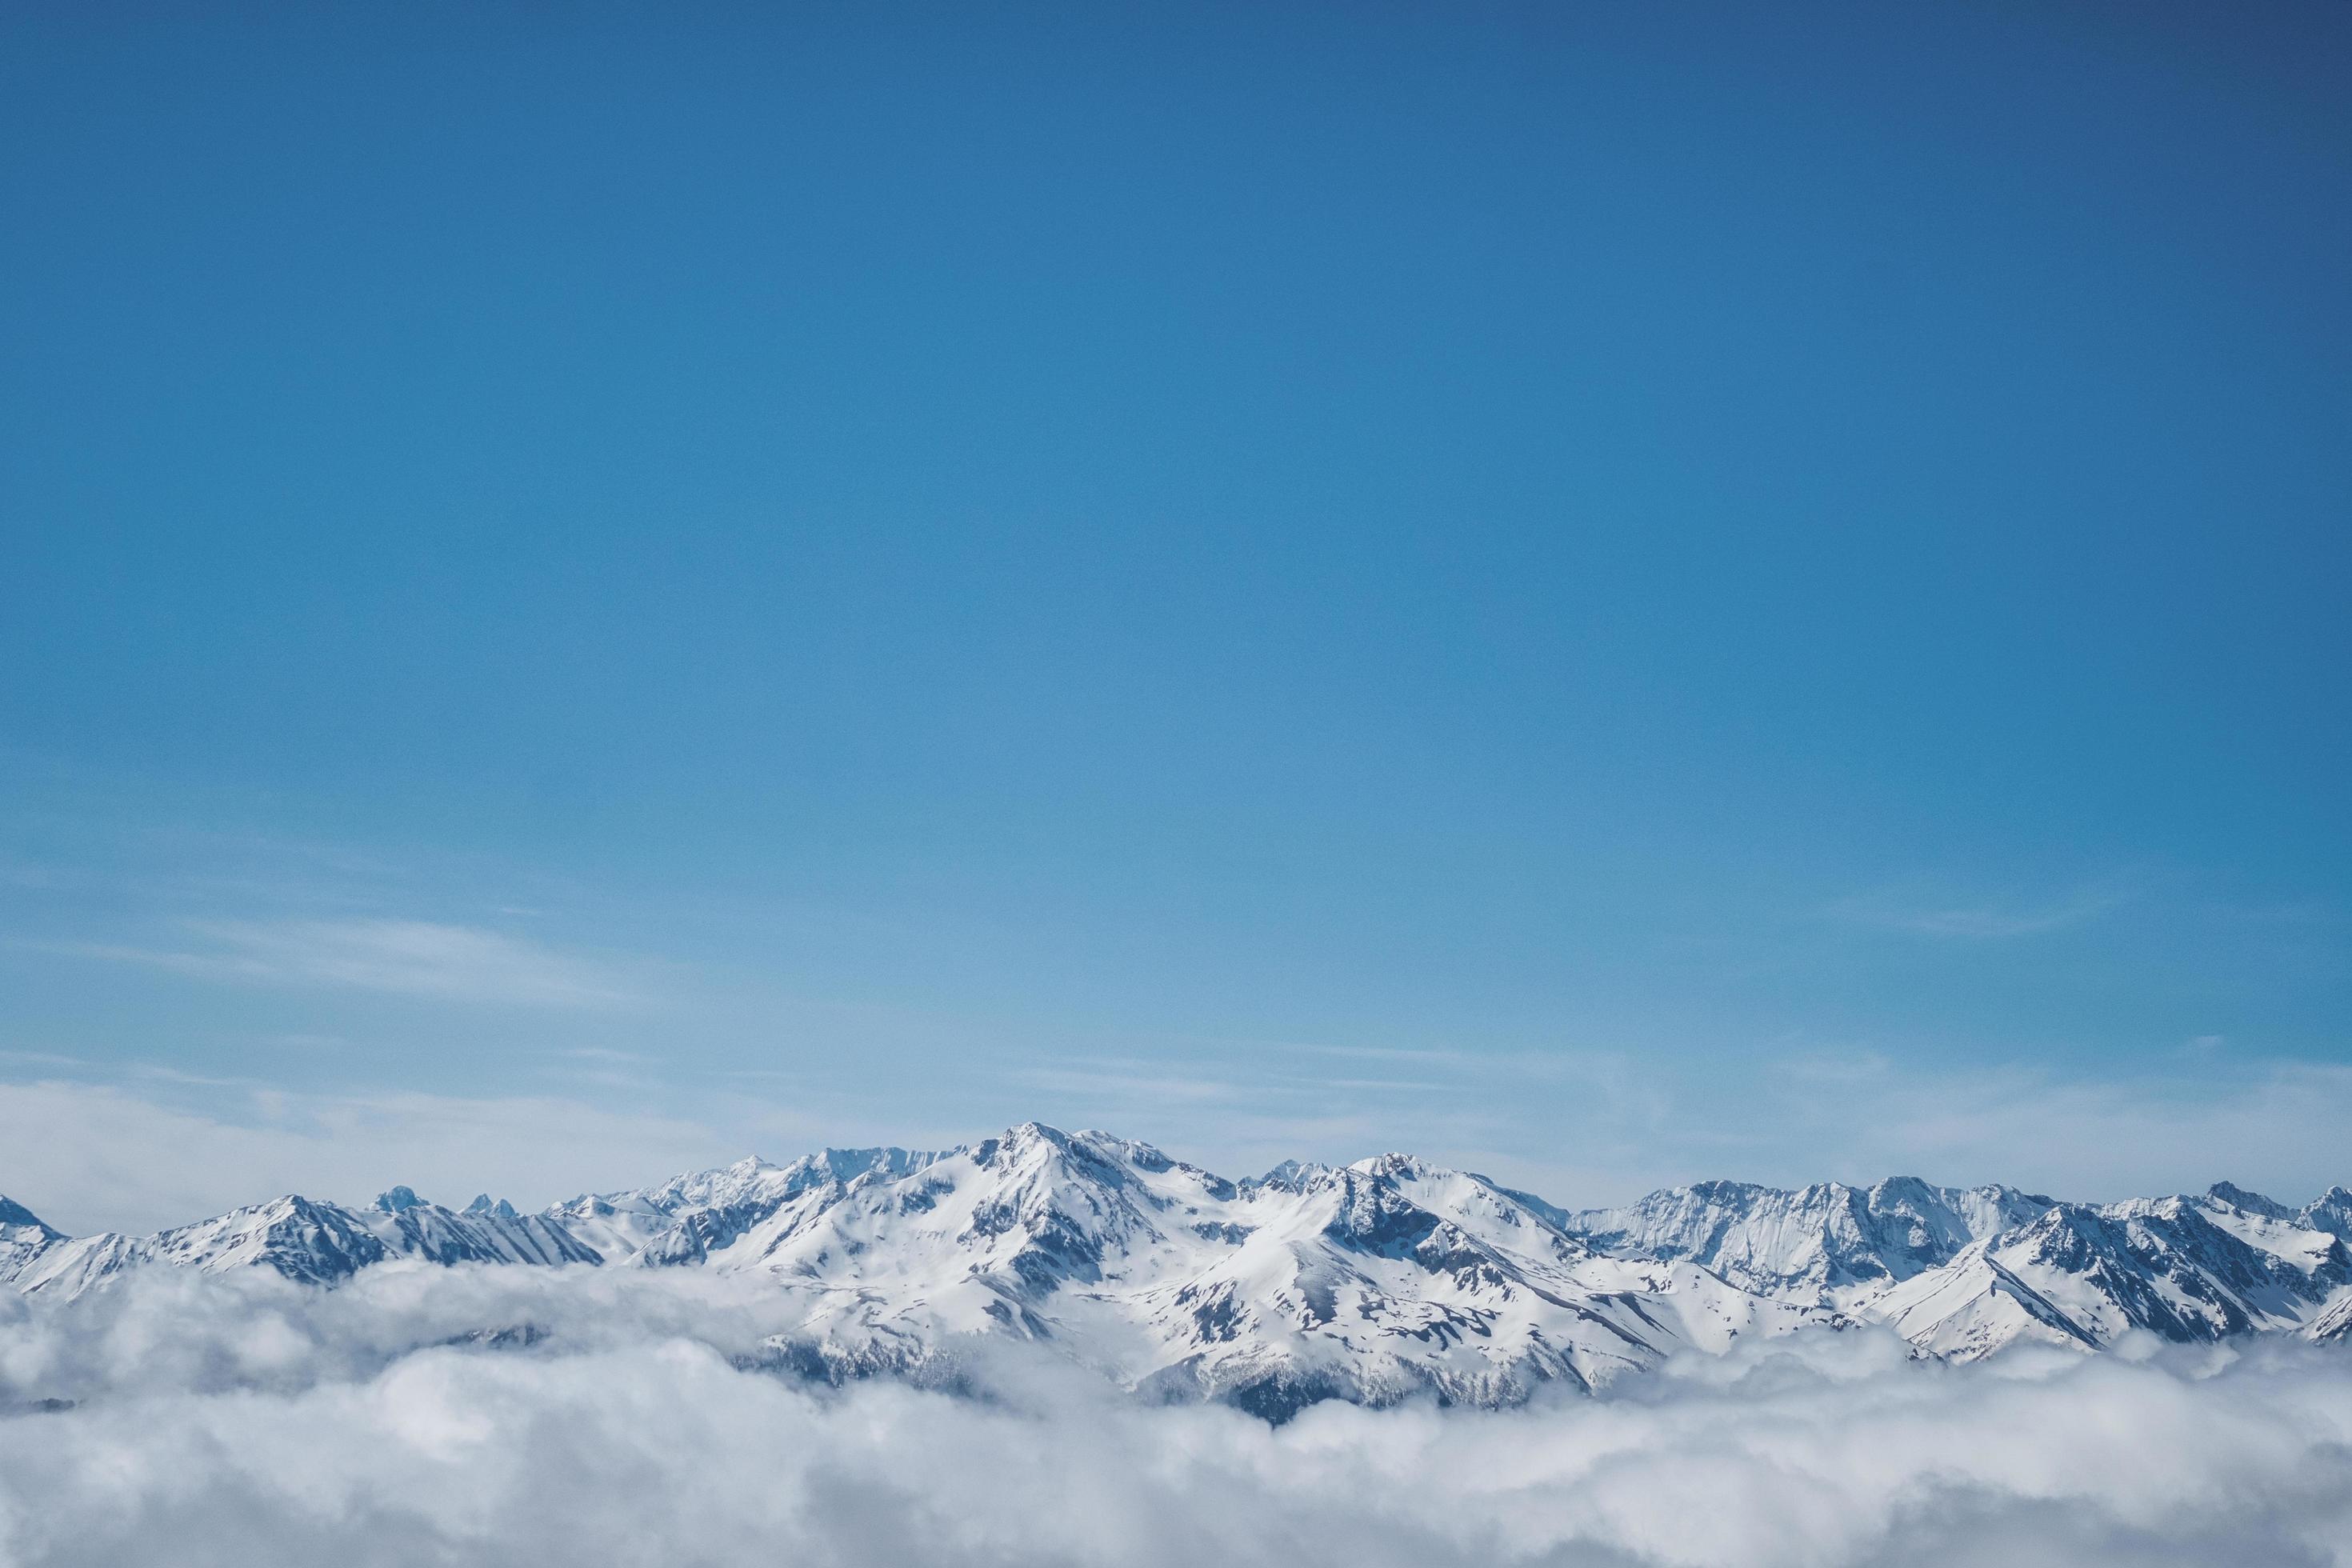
(1380, 1053)
(2267, 1122)
(1978, 919)
(403, 957)
(1836, 1067)
(1120, 1083)
(68, 1147)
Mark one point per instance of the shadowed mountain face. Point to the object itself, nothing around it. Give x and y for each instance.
(1368, 1282)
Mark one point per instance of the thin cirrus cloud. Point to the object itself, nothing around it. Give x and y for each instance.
(65, 1144)
(2083, 1136)
(401, 957)
(206, 1147)
(1981, 921)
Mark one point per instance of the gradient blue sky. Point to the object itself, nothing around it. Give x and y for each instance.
(1613, 594)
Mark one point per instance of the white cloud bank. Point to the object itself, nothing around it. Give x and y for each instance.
(240, 1420)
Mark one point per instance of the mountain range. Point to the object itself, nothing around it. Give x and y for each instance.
(1368, 1282)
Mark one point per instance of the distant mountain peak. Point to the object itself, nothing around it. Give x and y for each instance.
(13, 1213)
(2237, 1197)
(1291, 1175)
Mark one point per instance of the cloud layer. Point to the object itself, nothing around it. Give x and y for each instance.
(242, 1420)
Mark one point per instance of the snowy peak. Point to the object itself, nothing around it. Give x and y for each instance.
(687, 1218)
(1291, 1175)
(1963, 1271)
(1040, 1208)
(1365, 1282)
(314, 1243)
(15, 1215)
(493, 1234)
(1373, 1215)
(2330, 1212)
(2085, 1275)
(24, 1237)
(1830, 1243)
(2237, 1197)
(308, 1241)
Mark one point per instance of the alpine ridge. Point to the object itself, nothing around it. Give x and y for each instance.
(1370, 1282)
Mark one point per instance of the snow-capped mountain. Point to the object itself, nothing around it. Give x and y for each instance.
(315, 1243)
(1368, 1282)
(1963, 1272)
(2330, 1212)
(23, 1239)
(687, 1218)
(2183, 1269)
(1828, 1243)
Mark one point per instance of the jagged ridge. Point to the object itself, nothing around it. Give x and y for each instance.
(1368, 1282)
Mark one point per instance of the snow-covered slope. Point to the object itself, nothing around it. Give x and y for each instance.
(483, 1233)
(2334, 1325)
(687, 1218)
(2330, 1212)
(1368, 1282)
(23, 1239)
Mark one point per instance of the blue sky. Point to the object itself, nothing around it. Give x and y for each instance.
(1616, 595)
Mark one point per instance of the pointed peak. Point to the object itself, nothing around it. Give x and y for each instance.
(13, 1212)
(1293, 1176)
(395, 1200)
(1828, 1192)
(1396, 1167)
(1719, 1187)
(1131, 1150)
(498, 1208)
(2003, 1190)
(844, 1164)
(2238, 1197)
(1018, 1140)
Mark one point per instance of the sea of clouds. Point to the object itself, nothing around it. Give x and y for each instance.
(239, 1419)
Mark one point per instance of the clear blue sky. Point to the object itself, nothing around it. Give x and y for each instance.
(1619, 593)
